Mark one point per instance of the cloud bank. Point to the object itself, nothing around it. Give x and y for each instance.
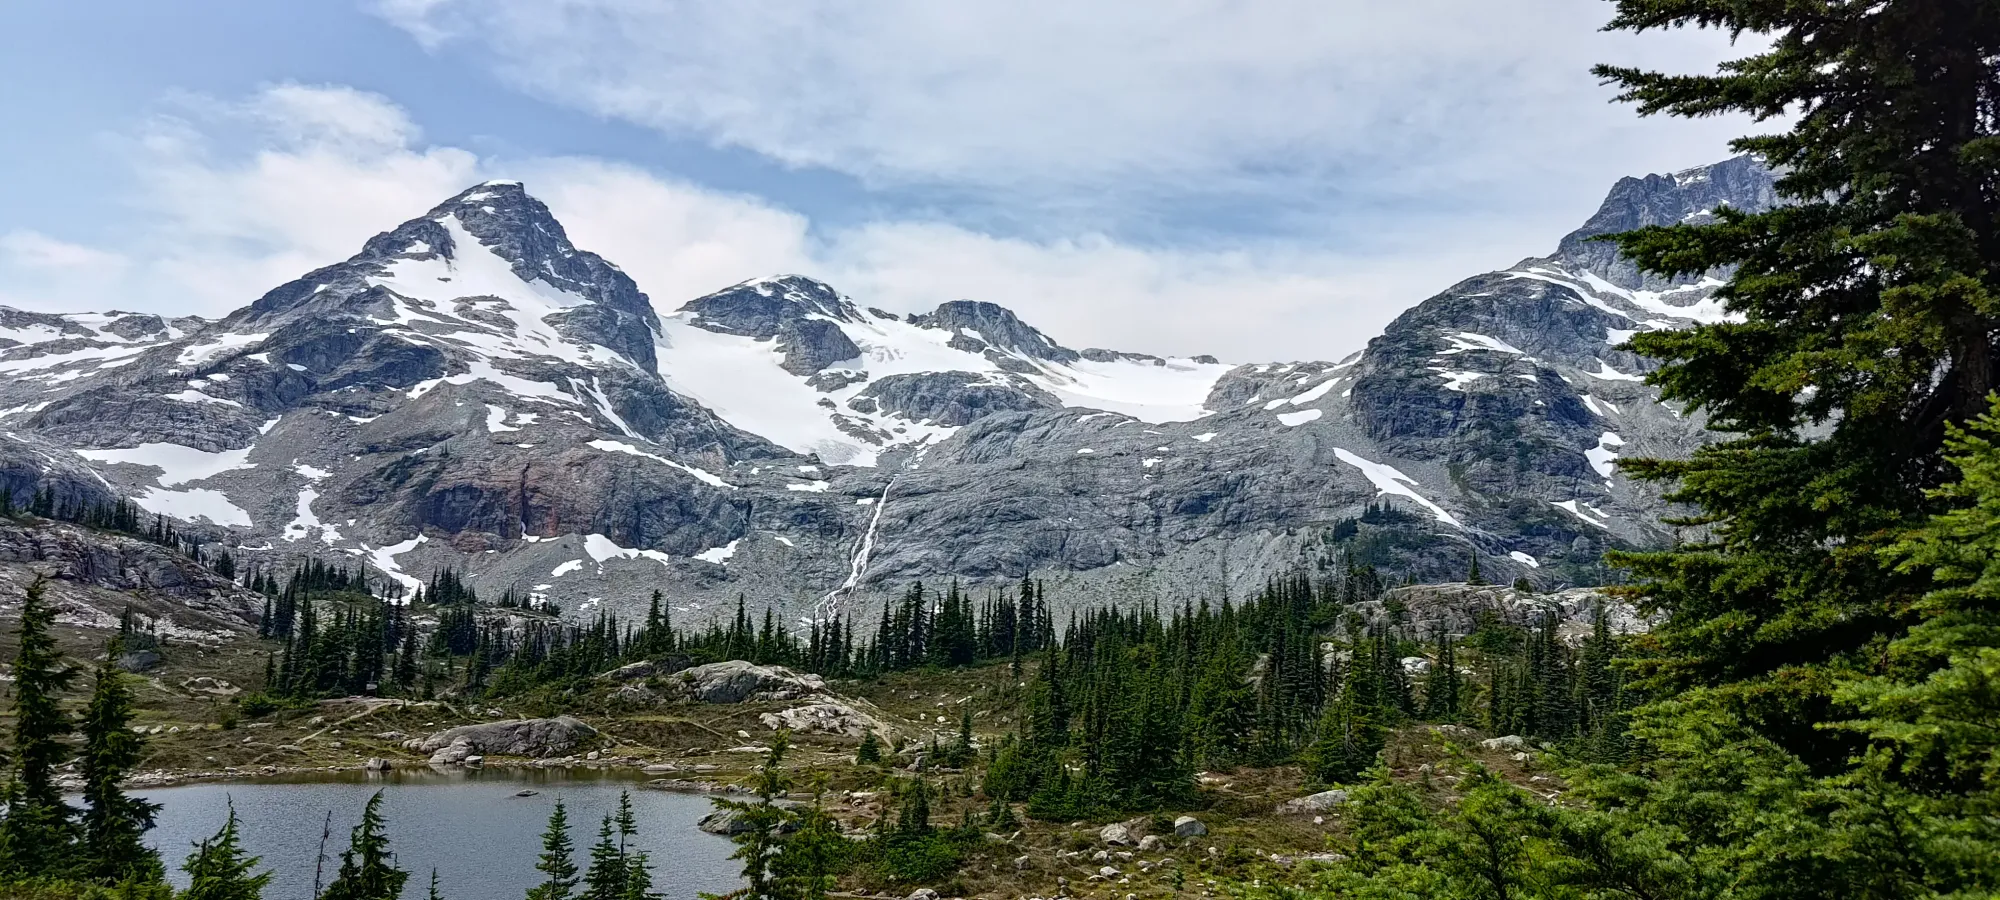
(242, 196)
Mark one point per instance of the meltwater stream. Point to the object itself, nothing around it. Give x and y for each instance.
(470, 826)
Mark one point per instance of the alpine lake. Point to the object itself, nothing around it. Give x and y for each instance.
(480, 829)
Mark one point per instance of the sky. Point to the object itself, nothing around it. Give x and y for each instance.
(1262, 180)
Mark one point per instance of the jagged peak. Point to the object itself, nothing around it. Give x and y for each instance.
(993, 325)
(761, 307)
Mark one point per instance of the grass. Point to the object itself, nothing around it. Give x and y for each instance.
(710, 743)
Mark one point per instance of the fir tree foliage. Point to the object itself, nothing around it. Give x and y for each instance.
(367, 868)
(219, 869)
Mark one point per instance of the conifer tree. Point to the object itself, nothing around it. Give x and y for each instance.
(557, 862)
(367, 869)
(38, 833)
(114, 823)
(220, 870)
(760, 841)
(605, 879)
(806, 862)
(870, 752)
(1865, 308)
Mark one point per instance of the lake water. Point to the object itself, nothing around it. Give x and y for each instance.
(481, 838)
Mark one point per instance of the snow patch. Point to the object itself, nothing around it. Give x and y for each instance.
(1388, 480)
(1467, 340)
(1295, 419)
(177, 464)
(601, 548)
(702, 475)
(720, 555)
(1606, 373)
(496, 419)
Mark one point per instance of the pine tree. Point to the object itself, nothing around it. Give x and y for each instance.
(870, 752)
(557, 862)
(219, 869)
(114, 823)
(39, 831)
(367, 870)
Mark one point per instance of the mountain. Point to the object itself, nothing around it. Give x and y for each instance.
(472, 390)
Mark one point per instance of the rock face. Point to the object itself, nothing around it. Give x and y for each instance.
(514, 737)
(96, 576)
(736, 681)
(472, 390)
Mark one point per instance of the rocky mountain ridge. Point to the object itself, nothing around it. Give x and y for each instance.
(472, 390)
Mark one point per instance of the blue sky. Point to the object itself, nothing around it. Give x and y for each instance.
(1259, 180)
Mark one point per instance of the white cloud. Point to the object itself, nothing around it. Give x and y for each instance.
(328, 167)
(1037, 100)
(238, 198)
(34, 250)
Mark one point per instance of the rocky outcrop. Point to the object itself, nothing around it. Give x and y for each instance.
(649, 668)
(514, 737)
(731, 822)
(736, 681)
(1314, 803)
(96, 576)
(1460, 609)
(950, 398)
(823, 718)
(981, 327)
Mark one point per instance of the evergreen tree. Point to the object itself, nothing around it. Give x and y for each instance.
(870, 752)
(219, 869)
(114, 823)
(807, 861)
(1865, 309)
(39, 832)
(557, 862)
(605, 879)
(367, 869)
(758, 843)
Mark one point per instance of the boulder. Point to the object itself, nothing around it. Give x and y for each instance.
(513, 737)
(736, 681)
(1151, 844)
(138, 660)
(922, 894)
(822, 718)
(648, 668)
(376, 764)
(451, 754)
(727, 822)
(1189, 827)
(1116, 835)
(1511, 742)
(1313, 803)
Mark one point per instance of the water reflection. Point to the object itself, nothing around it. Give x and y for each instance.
(471, 826)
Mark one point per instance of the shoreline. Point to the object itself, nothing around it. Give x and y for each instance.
(167, 778)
